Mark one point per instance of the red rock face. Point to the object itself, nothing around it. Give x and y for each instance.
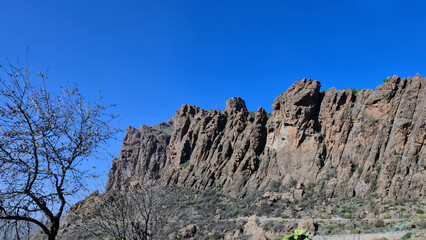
(340, 143)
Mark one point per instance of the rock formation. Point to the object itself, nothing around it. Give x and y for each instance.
(336, 143)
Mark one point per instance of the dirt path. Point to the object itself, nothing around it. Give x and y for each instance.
(335, 219)
(361, 236)
(366, 236)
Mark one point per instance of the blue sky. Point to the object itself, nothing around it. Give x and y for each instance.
(150, 57)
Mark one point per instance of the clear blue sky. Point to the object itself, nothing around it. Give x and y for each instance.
(150, 57)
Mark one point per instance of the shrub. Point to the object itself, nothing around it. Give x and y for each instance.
(267, 226)
(331, 229)
(232, 211)
(375, 195)
(310, 186)
(366, 227)
(401, 201)
(275, 186)
(185, 164)
(293, 182)
(406, 236)
(401, 226)
(300, 234)
(387, 216)
(279, 227)
(217, 235)
(358, 200)
(347, 211)
(355, 91)
(264, 209)
(253, 114)
(420, 211)
(390, 203)
(379, 223)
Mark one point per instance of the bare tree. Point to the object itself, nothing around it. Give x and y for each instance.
(137, 214)
(44, 139)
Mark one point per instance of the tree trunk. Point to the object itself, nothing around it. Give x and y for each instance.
(53, 231)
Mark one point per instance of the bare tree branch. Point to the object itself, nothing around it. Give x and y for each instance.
(137, 214)
(44, 137)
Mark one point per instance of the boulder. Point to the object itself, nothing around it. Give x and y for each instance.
(188, 231)
(308, 224)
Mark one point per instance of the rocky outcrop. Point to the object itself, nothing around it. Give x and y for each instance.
(144, 151)
(337, 143)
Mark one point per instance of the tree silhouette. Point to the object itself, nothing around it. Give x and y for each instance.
(44, 138)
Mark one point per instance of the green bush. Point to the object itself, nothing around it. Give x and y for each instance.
(379, 223)
(420, 211)
(375, 195)
(253, 114)
(401, 226)
(355, 91)
(347, 211)
(299, 234)
(185, 164)
(401, 201)
(407, 236)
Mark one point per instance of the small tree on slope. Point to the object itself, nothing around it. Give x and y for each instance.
(136, 214)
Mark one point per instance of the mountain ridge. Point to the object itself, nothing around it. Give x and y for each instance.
(337, 143)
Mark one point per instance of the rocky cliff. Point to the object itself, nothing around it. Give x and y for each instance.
(335, 143)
